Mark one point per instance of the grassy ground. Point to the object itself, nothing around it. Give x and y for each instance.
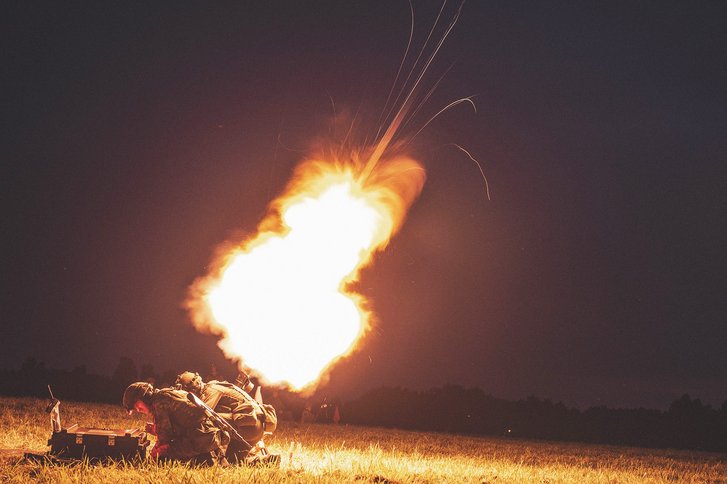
(327, 453)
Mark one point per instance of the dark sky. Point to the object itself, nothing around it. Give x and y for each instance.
(137, 136)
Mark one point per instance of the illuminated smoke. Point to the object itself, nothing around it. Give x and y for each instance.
(281, 300)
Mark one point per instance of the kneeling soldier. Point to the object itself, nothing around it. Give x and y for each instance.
(250, 418)
(183, 431)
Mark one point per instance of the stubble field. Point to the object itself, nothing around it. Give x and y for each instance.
(328, 453)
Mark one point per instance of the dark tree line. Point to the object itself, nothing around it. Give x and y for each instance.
(688, 424)
(33, 378)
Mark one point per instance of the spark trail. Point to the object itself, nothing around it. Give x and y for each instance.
(282, 301)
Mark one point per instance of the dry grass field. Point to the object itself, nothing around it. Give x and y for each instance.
(327, 453)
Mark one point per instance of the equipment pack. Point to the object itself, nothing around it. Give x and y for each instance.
(77, 442)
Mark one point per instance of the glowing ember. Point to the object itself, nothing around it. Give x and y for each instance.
(281, 301)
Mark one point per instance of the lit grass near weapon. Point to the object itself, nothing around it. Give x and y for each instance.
(328, 453)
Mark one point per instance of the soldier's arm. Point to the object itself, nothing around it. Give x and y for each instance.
(163, 425)
(204, 438)
(178, 446)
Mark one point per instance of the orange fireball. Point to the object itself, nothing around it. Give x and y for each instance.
(281, 300)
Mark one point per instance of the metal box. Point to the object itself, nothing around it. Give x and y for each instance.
(77, 442)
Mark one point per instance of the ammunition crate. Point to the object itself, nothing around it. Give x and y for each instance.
(77, 442)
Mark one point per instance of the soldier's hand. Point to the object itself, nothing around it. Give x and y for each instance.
(159, 451)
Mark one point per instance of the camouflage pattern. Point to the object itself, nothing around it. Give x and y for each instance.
(247, 416)
(251, 419)
(191, 436)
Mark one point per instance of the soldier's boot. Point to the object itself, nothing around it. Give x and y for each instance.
(259, 456)
(267, 460)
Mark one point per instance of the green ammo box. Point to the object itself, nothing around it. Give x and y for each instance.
(77, 442)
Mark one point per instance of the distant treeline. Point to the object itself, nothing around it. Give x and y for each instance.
(687, 424)
(33, 378)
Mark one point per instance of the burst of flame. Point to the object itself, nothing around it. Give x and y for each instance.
(282, 300)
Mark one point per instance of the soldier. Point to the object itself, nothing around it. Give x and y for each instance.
(183, 431)
(251, 419)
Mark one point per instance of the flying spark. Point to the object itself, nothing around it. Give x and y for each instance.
(282, 301)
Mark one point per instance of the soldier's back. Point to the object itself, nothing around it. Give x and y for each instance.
(177, 408)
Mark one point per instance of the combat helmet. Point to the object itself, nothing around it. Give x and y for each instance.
(135, 392)
(190, 382)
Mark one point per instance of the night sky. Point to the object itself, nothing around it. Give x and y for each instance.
(138, 136)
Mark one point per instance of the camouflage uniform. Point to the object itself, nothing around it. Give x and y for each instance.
(191, 436)
(250, 418)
